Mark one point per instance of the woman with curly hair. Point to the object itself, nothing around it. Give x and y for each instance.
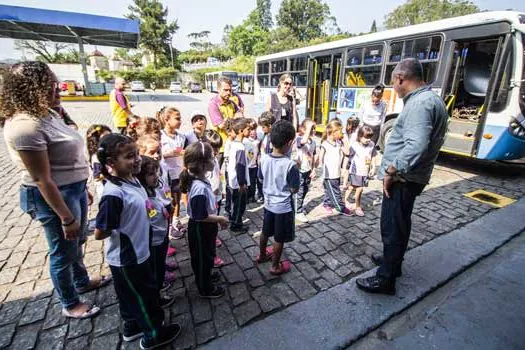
(54, 174)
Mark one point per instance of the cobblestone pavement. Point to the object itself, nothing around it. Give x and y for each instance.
(326, 252)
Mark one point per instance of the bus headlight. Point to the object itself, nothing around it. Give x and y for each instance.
(517, 126)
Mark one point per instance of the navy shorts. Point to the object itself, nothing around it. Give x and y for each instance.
(358, 181)
(175, 186)
(280, 226)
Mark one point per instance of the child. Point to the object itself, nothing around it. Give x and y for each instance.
(251, 143)
(172, 146)
(214, 177)
(159, 214)
(93, 136)
(238, 174)
(280, 178)
(266, 120)
(202, 227)
(306, 151)
(349, 137)
(330, 158)
(198, 123)
(144, 126)
(123, 221)
(149, 147)
(362, 167)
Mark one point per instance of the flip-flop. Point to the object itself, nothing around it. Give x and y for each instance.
(268, 257)
(284, 267)
(104, 280)
(92, 311)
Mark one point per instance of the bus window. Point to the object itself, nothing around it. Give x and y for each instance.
(422, 48)
(263, 68)
(363, 66)
(502, 88)
(354, 57)
(279, 66)
(299, 79)
(264, 80)
(395, 52)
(373, 55)
(274, 81)
(408, 50)
(297, 64)
(362, 76)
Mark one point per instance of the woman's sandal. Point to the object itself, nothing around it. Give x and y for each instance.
(284, 267)
(92, 311)
(95, 284)
(266, 257)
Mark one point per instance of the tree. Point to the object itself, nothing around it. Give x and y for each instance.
(261, 16)
(129, 55)
(304, 18)
(373, 28)
(155, 31)
(47, 51)
(421, 11)
(245, 38)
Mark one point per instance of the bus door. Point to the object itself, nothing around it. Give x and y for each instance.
(319, 89)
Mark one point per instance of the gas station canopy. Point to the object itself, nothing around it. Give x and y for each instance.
(59, 26)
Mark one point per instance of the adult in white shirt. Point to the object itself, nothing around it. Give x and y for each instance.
(373, 112)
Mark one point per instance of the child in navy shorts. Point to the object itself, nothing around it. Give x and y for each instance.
(280, 178)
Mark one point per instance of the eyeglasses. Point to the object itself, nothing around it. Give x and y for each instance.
(287, 83)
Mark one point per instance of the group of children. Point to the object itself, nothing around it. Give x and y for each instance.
(141, 179)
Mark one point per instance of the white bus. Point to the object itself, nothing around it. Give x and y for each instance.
(246, 83)
(475, 62)
(212, 78)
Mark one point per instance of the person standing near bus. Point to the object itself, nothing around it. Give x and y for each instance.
(373, 112)
(120, 107)
(221, 108)
(282, 103)
(410, 155)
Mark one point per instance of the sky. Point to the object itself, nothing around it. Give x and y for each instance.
(198, 15)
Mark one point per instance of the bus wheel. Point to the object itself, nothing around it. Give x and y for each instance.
(386, 130)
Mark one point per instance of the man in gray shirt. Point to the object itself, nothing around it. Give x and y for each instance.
(409, 158)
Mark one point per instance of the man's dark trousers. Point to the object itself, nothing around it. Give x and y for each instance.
(396, 224)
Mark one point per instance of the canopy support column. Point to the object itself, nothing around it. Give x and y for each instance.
(83, 63)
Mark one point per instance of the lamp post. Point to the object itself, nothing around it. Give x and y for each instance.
(171, 50)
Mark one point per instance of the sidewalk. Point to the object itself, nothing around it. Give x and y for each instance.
(338, 317)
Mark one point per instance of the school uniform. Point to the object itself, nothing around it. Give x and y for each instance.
(191, 138)
(332, 175)
(228, 190)
(360, 161)
(174, 165)
(305, 155)
(122, 209)
(279, 175)
(214, 178)
(265, 147)
(252, 152)
(238, 175)
(201, 235)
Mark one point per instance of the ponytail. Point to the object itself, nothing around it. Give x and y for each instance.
(186, 179)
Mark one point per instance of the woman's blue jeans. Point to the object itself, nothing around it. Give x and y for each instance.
(66, 265)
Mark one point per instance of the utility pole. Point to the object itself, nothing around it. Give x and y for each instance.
(171, 50)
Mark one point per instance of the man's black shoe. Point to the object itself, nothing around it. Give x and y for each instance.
(378, 260)
(166, 335)
(239, 229)
(377, 285)
(131, 331)
(215, 293)
(166, 302)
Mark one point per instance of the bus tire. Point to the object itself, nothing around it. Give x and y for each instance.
(386, 129)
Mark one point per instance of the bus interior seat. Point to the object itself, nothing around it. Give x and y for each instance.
(477, 73)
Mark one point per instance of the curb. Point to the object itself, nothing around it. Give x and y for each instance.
(340, 316)
(84, 98)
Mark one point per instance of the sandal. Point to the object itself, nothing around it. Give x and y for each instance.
(95, 284)
(284, 267)
(92, 311)
(359, 212)
(266, 257)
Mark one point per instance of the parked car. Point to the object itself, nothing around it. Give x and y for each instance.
(194, 87)
(64, 85)
(137, 85)
(175, 86)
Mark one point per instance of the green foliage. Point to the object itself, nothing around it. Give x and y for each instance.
(421, 11)
(49, 52)
(261, 16)
(161, 77)
(155, 31)
(304, 18)
(247, 39)
(134, 56)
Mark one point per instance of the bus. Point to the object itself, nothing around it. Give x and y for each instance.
(474, 62)
(246, 83)
(212, 78)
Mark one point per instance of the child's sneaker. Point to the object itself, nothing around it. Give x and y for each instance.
(171, 265)
(218, 243)
(327, 209)
(301, 217)
(166, 335)
(215, 277)
(175, 233)
(217, 262)
(169, 277)
(215, 293)
(171, 251)
(260, 200)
